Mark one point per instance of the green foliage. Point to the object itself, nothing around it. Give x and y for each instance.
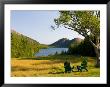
(22, 46)
(63, 53)
(84, 48)
(86, 23)
(84, 62)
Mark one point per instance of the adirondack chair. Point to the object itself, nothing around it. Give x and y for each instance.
(67, 67)
(83, 66)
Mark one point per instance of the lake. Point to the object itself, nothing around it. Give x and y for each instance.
(50, 51)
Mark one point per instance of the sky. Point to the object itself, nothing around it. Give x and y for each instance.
(36, 24)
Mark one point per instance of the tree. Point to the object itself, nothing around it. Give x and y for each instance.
(86, 23)
(84, 48)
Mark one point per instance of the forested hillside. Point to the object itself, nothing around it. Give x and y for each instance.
(84, 48)
(23, 46)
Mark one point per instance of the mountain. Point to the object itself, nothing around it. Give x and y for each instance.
(23, 46)
(64, 42)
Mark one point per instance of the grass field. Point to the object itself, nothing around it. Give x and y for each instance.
(51, 66)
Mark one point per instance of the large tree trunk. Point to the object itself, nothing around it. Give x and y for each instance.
(97, 51)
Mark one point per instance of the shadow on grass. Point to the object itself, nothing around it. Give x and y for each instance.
(27, 58)
(55, 72)
(62, 72)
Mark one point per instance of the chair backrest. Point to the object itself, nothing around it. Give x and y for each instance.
(67, 64)
(84, 63)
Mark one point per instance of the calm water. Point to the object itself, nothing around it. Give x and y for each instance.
(50, 51)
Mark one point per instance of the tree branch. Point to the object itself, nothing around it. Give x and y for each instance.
(92, 43)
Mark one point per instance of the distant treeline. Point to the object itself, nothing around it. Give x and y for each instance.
(84, 48)
(23, 46)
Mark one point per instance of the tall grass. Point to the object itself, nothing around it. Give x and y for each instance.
(51, 66)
